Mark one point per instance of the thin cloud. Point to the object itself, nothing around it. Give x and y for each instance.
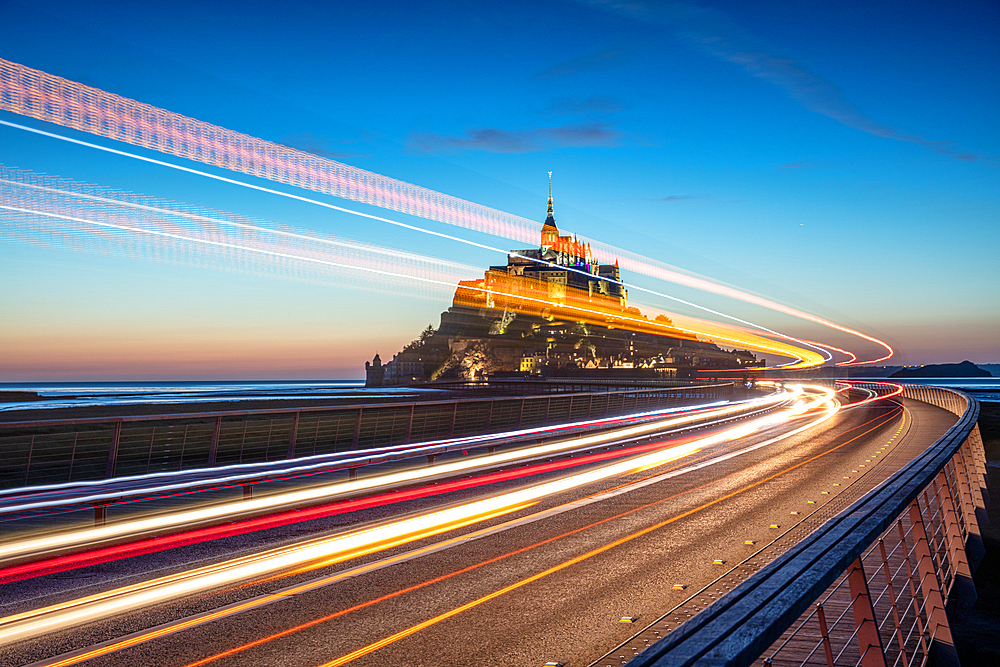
(567, 106)
(715, 33)
(681, 197)
(585, 63)
(520, 141)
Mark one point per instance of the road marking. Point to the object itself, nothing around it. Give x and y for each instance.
(354, 655)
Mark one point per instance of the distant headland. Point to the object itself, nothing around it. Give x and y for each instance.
(966, 369)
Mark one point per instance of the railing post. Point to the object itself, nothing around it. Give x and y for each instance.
(454, 414)
(942, 646)
(213, 449)
(357, 430)
(892, 600)
(937, 543)
(910, 579)
(409, 425)
(31, 449)
(149, 454)
(72, 455)
(869, 641)
(290, 454)
(489, 415)
(824, 633)
(963, 589)
(969, 503)
(982, 478)
(113, 450)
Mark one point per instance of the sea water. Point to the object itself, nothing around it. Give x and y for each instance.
(80, 394)
(982, 389)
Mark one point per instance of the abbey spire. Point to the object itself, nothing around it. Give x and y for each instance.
(550, 220)
(550, 233)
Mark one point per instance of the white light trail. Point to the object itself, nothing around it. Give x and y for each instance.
(43, 96)
(327, 551)
(801, 357)
(40, 545)
(160, 481)
(421, 230)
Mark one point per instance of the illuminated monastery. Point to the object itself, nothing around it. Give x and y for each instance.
(559, 272)
(551, 310)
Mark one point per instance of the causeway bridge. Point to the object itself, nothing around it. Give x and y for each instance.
(751, 540)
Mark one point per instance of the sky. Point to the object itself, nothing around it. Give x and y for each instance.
(839, 158)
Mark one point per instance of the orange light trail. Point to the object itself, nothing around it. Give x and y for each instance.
(37, 94)
(76, 204)
(391, 639)
(804, 358)
(304, 626)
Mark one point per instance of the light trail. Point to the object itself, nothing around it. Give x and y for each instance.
(37, 94)
(803, 358)
(238, 472)
(130, 549)
(391, 639)
(63, 562)
(46, 544)
(28, 192)
(405, 226)
(188, 622)
(343, 612)
(451, 280)
(327, 551)
(897, 390)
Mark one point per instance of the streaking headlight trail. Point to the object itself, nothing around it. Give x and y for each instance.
(96, 535)
(327, 551)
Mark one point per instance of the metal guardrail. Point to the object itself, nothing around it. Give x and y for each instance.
(70, 450)
(872, 586)
(103, 494)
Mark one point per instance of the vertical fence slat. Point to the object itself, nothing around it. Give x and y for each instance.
(113, 450)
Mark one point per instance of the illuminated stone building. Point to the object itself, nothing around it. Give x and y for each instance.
(553, 309)
(561, 270)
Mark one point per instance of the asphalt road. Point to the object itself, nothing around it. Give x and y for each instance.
(548, 583)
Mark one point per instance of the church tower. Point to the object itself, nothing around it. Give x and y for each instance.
(550, 233)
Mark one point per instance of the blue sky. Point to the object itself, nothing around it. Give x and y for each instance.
(843, 159)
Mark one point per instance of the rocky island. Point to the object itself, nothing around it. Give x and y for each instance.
(552, 311)
(966, 369)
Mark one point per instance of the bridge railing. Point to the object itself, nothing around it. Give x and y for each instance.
(874, 585)
(71, 450)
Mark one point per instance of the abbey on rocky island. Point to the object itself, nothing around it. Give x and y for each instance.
(554, 310)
